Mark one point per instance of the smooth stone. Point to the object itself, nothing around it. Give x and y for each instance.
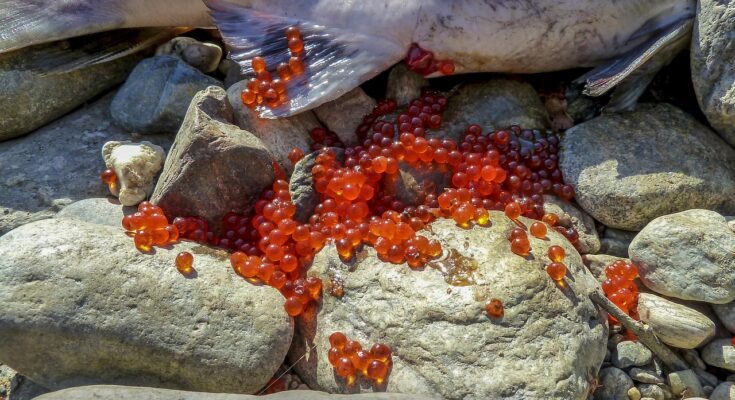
(686, 380)
(596, 263)
(706, 379)
(30, 99)
(404, 85)
(673, 323)
(412, 183)
(82, 306)
(726, 314)
(720, 353)
(623, 177)
(157, 94)
(687, 255)
(57, 165)
(213, 167)
(712, 72)
(301, 185)
(692, 357)
(204, 56)
(443, 341)
(616, 242)
(634, 393)
(631, 354)
(723, 391)
(614, 385)
(572, 217)
(344, 115)
(645, 376)
(101, 211)
(654, 392)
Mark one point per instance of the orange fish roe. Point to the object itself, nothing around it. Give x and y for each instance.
(620, 287)
(149, 227)
(494, 308)
(295, 155)
(350, 360)
(184, 263)
(109, 177)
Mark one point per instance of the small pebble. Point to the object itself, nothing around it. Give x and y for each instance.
(645, 376)
(631, 354)
(634, 393)
(685, 380)
(652, 391)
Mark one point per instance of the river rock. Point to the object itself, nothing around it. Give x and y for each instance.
(631, 354)
(213, 167)
(596, 263)
(652, 392)
(720, 353)
(675, 324)
(411, 184)
(344, 115)
(301, 185)
(45, 171)
(687, 255)
(712, 74)
(726, 314)
(616, 242)
(30, 99)
(723, 391)
(630, 168)
(444, 344)
(404, 85)
(645, 376)
(614, 385)
(102, 211)
(157, 94)
(572, 217)
(685, 380)
(82, 306)
(204, 56)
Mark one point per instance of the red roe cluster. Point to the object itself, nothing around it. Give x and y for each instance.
(264, 89)
(620, 287)
(149, 227)
(350, 360)
(423, 62)
(324, 138)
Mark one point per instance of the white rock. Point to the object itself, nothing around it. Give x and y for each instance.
(675, 324)
(136, 166)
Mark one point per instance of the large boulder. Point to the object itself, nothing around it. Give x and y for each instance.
(687, 255)
(549, 344)
(630, 168)
(82, 306)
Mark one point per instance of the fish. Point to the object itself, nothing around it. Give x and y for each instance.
(347, 42)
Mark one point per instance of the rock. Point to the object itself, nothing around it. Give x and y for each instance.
(652, 391)
(30, 100)
(213, 166)
(726, 314)
(706, 379)
(344, 115)
(712, 72)
(616, 242)
(404, 85)
(634, 393)
(411, 184)
(157, 94)
(720, 353)
(203, 56)
(631, 354)
(280, 135)
(572, 217)
(614, 385)
(102, 211)
(692, 357)
(494, 104)
(444, 343)
(596, 263)
(60, 163)
(113, 315)
(138, 393)
(723, 391)
(685, 380)
(136, 165)
(687, 255)
(624, 179)
(675, 324)
(645, 376)
(301, 185)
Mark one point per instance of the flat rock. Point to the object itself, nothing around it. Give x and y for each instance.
(82, 306)
(614, 385)
(156, 95)
(572, 217)
(102, 211)
(631, 354)
(723, 391)
(45, 171)
(30, 100)
(712, 74)
(675, 324)
(404, 85)
(687, 255)
(344, 115)
(444, 344)
(630, 168)
(213, 167)
(720, 353)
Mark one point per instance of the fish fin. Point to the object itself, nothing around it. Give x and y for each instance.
(632, 72)
(336, 60)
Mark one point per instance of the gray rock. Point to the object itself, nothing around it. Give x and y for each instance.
(631, 354)
(712, 72)
(614, 385)
(645, 376)
(213, 166)
(572, 217)
(58, 164)
(411, 184)
(723, 391)
(675, 324)
(280, 135)
(596, 263)
(157, 94)
(692, 357)
(726, 314)
(102, 211)
(204, 56)
(138, 393)
(616, 242)
(301, 185)
(344, 115)
(706, 379)
(111, 314)
(404, 85)
(686, 380)
(29, 99)
(687, 255)
(630, 168)
(444, 343)
(654, 392)
(720, 353)
(494, 104)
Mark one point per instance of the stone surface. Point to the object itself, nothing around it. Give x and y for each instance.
(634, 393)
(645, 376)
(136, 166)
(82, 306)
(712, 73)
(549, 344)
(411, 184)
(614, 385)
(58, 164)
(280, 135)
(301, 185)
(631, 354)
(572, 217)
(720, 353)
(404, 85)
(686, 380)
(29, 99)
(344, 115)
(102, 211)
(675, 324)
(156, 95)
(204, 56)
(616, 242)
(596, 263)
(654, 392)
(723, 391)
(726, 314)
(630, 168)
(687, 255)
(213, 167)
(493, 104)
